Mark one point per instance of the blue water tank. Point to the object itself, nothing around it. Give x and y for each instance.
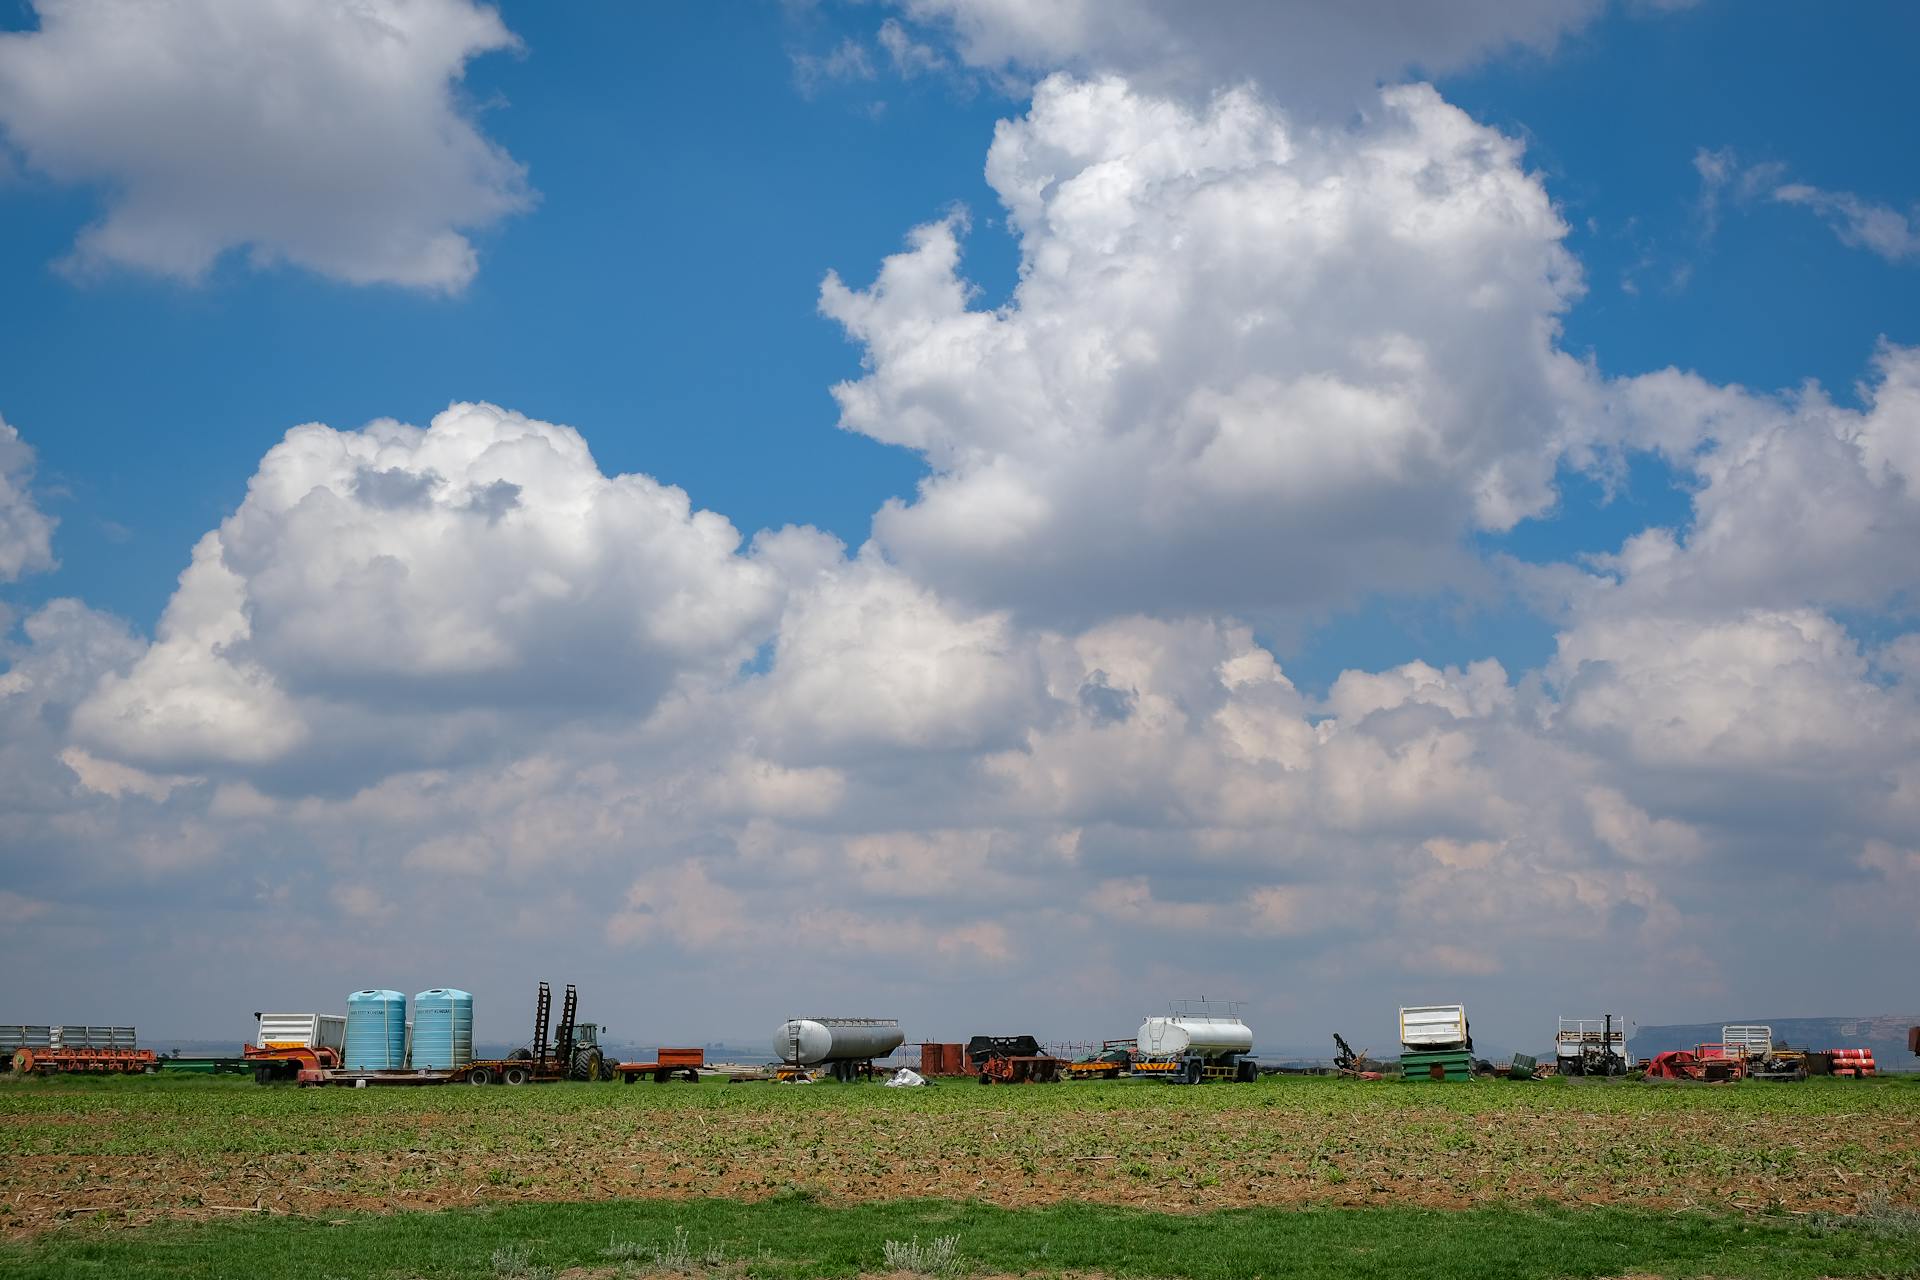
(376, 1031)
(442, 1030)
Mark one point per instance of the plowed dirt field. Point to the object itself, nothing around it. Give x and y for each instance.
(138, 1150)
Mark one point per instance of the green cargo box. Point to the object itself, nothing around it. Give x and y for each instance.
(1451, 1064)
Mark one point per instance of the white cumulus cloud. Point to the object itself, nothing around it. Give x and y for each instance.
(477, 573)
(324, 133)
(1247, 366)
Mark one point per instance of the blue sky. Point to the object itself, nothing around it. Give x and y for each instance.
(661, 296)
(1395, 492)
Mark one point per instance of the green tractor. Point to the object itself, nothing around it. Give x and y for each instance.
(590, 1061)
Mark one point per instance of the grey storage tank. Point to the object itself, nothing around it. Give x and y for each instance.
(813, 1042)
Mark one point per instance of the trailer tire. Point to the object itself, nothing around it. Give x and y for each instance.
(480, 1075)
(516, 1074)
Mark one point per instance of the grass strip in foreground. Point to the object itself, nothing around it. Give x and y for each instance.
(794, 1238)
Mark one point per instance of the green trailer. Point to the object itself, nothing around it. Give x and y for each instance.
(205, 1066)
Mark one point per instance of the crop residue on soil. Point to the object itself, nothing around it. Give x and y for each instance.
(114, 1157)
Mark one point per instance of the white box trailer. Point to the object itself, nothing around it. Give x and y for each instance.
(1748, 1040)
(302, 1031)
(1431, 1027)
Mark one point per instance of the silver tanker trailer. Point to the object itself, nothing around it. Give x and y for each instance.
(846, 1047)
(1194, 1044)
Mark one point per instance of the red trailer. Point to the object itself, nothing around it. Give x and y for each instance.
(668, 1064)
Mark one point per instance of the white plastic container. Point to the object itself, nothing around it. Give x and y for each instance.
(301, 1031)
(1434, 1026)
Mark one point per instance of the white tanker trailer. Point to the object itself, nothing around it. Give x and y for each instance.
(1186, 1048)
(846, 1047)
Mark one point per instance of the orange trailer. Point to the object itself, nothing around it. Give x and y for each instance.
(48, 1061)
(669, 1064)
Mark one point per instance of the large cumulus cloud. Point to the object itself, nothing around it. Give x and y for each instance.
(444, 585)
(1247, 367)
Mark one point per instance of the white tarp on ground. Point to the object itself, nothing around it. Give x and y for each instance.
(905, 1078)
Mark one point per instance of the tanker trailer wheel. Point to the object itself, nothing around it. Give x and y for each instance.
(480, 1075)
(516, 1074)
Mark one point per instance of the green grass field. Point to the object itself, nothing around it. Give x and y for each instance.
(220, 1177)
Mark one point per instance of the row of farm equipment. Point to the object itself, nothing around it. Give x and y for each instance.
(380, 1042)
(376, 1043)
(1750, 1053)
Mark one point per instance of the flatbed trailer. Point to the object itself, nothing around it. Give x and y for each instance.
(1114, 1060)
(203, 1066)
(669, 1064)
(482, 1071)
(363, 1079)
